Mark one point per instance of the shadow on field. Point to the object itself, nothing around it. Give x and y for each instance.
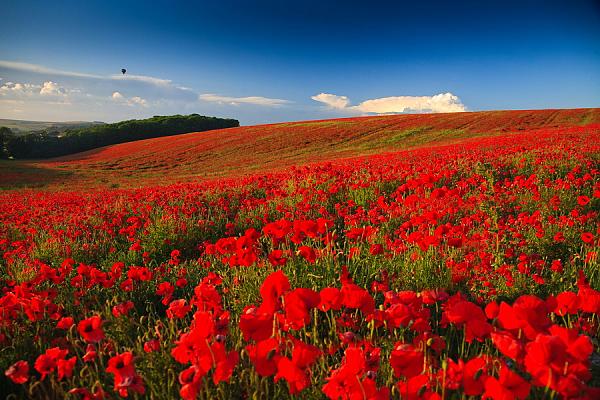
(22, 175)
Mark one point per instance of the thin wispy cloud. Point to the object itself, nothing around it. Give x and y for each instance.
(146, 79)
(256, 100)
(439, 103)
(41, 69)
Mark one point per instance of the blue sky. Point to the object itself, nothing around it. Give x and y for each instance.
(275, 61)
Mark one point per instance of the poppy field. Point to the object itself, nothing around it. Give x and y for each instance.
(260, 149)
(455, 270)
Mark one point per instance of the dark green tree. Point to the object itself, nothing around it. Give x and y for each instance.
(44, 145)
(5, 134)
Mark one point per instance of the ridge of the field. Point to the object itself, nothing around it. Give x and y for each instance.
(264, 148)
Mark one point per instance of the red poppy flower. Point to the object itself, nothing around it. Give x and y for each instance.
(126, 379)
(587, 237)
(90, 353)
(277, 258)
(273, 287)
(90, 329)
(190, 380)
(224, 361)
(121, 365)
(567, 303)
(298, 305)
(308, 253)
(508, 344)
(256, 325)
(64, 323)
(508, 386)
(331, 299)
(353, 296)
(65, 367)
(296, 378)
(264, 356)
(528, 313)
(178, 309)
(406, 360)
(18, 372)
(152, 345)
(46, 363)
(474, 375)
(345, 382)
(467, 314)
(122, 309)
(583, 200)
(417, 388)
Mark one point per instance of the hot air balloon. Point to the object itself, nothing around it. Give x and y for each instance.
(123, 70)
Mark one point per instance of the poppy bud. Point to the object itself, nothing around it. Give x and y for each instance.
(220, 338)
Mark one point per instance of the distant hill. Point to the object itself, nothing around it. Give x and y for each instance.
(45, 144)
(21, 127)
(263, 148)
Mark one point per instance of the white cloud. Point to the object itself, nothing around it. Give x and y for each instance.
(133, 101)
(19, 89)
(256, 100)
(439, 103)
(40, 69)
(137, 101)
(332, 100)
(50, 88)
(30, 90)
(145, 79)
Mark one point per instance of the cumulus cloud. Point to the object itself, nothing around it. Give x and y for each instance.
(22, 90)
(133, 101)
(256, 100)
(18, 89)
(50, 88)
(332, 100)
(137, 101)
(439, 103)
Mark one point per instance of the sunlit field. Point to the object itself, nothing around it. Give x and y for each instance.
(260, 149)
(465, 266)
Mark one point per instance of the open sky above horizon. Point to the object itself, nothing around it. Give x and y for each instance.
(271, 61)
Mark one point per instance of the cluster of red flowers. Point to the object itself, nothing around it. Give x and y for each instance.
(436, 273)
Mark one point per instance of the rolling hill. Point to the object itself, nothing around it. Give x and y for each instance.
(252, 149)
(21, 127)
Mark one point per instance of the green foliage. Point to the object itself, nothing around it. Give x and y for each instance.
(5, 135)
(43, 145)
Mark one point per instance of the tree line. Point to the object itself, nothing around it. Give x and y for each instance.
(44, 145)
